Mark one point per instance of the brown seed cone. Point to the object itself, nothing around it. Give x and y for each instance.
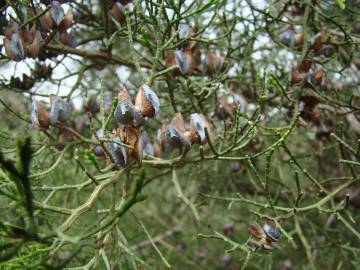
(8, 31)
(170, 61)
(64, 38)
(318, 76)
(8, 50)
(143, 104)
(256, 231)
(296, 76)
(123, 95)
(46, 22)
(178, 122)
(212, 63)
(11, 28)
(17, 52)
(68, 20)
(67, 39)
(191, 62)
(118, 12)
(138, 149)
(311, 116)
(26, 35)
(33, 31)
(197, 128)
(310, 101)
(43, 117)
(319, 40)
(299, 39)
(34, 47)
(304, 65)
(130, 136)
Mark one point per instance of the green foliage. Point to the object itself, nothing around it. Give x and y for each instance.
(29, 256)
(341, 3)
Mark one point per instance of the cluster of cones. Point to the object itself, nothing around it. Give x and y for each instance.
(175, 135)
(263, 237)
(131, 117)
(291, 38)
(24, 40)
(324, 45)
(21, 42)
(131, 141)
(60, 111)
(190, 59)
(302, 74)
(55, 19)
(321, 45)
(305, 76)
(147, 104)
